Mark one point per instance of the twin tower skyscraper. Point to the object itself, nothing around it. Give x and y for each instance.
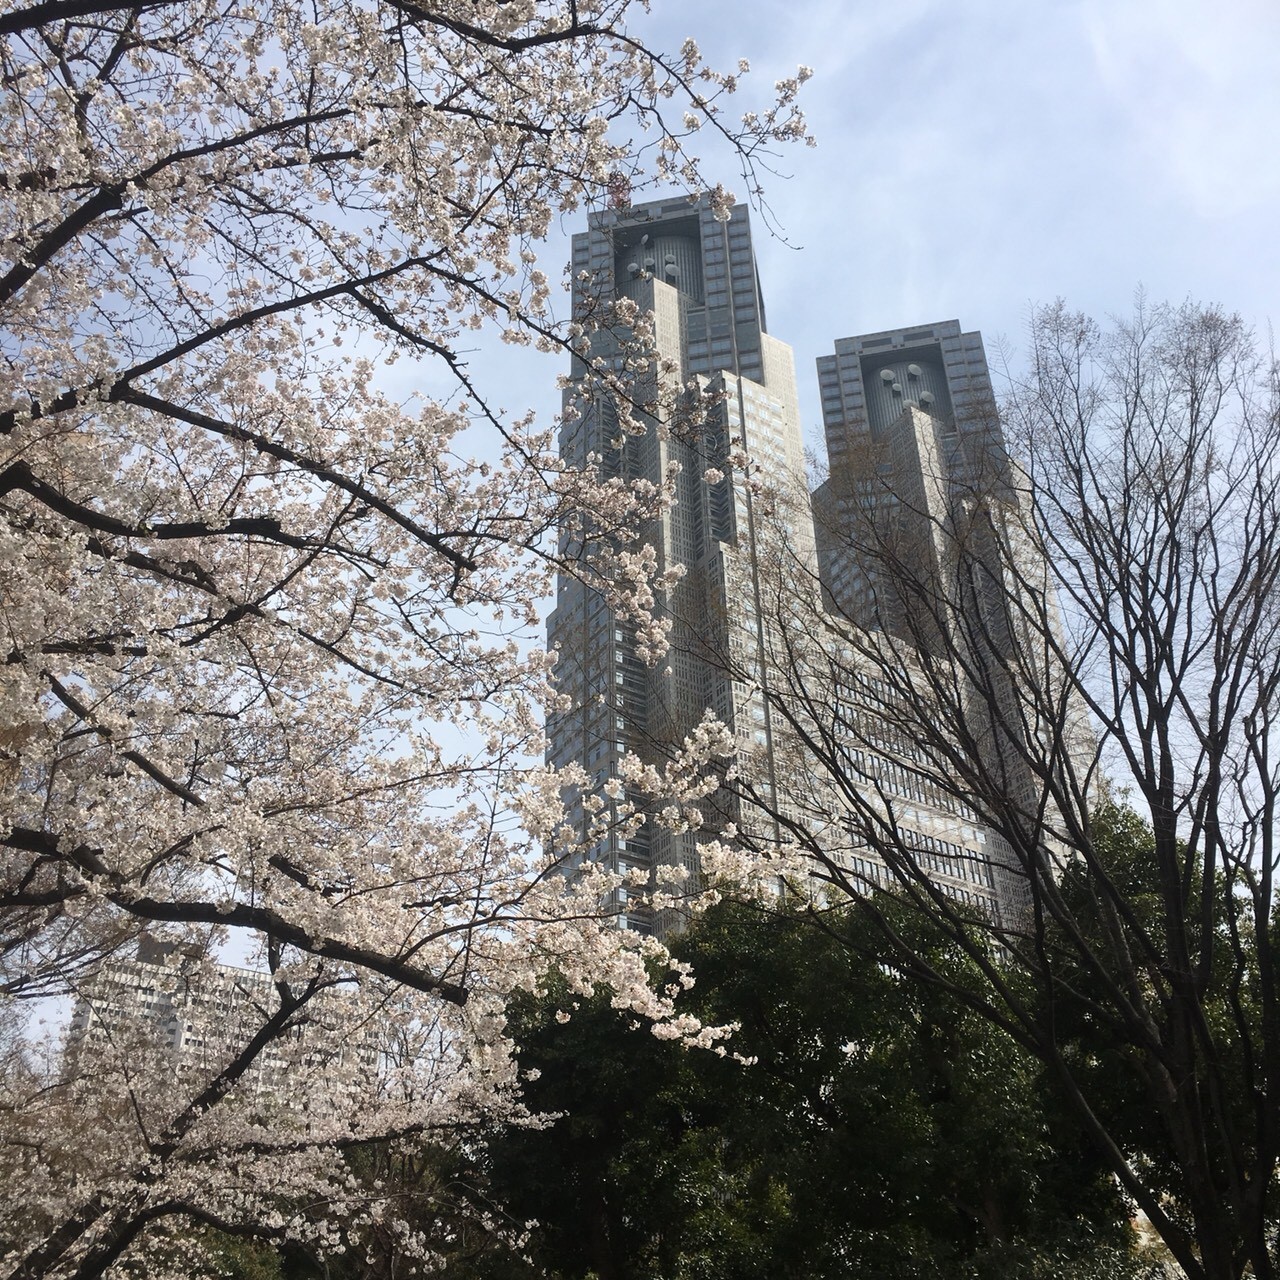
(901, 409)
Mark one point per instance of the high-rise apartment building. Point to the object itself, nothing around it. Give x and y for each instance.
(187, 1018)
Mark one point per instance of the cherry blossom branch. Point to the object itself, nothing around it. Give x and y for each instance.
(19, 475)
(49, 11)
(132, 1216)
(263, 920)
(273, 448)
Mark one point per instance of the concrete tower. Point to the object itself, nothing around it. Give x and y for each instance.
(911, 426)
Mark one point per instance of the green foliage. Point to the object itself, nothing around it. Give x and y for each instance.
(243, 1259)
(630, 1180)
(882, 1129)
(1132, 1092)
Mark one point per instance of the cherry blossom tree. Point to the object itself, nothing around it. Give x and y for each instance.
(266, 620)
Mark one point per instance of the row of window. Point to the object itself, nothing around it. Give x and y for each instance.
(946, 857)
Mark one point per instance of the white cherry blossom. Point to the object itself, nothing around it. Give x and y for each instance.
(266, 626)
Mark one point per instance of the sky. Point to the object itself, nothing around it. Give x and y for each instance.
(976, 158)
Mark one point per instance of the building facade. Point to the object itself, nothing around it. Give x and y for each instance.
(923, 533)
(911, 427)
(187, 1018)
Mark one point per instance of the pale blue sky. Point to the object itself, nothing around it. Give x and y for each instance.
(976, 157)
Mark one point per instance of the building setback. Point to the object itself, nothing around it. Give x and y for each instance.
(909, 418)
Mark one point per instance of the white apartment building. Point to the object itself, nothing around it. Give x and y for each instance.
(189, 1017)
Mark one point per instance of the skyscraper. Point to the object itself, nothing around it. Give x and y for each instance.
(924, 532)
(910, 422)
(698, 277)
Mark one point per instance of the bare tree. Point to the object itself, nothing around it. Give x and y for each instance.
(1079, 655)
